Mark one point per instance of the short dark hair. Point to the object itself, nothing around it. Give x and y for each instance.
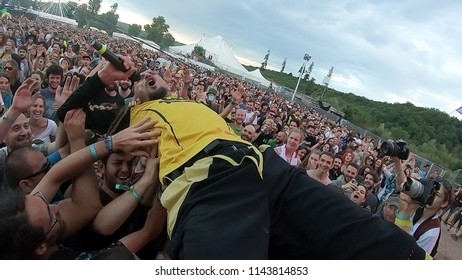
(38, 72)
(329, 154)
(354, 165)
(19, 238)
(374, 175)
(295, 121)
(54, 69)
(16, 166)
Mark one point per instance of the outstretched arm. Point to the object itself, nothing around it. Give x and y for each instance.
(96, 119)
(113, 215)
(133, 140)
(24, 98)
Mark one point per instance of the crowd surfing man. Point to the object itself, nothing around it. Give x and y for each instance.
(227, 200)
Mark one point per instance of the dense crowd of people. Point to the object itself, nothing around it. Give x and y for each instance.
(186, 163)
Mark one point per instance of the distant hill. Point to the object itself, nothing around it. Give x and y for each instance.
(431, 133)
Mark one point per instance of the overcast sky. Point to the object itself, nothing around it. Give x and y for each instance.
(393, 51)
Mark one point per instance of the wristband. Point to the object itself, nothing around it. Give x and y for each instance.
(108, 144)
(8, 119)
(131, 189)
(403, 216)
(93, 152)
(136, 195)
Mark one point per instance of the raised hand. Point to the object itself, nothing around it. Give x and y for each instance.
(238, 94)
(74, 124)
(187, 78)
(63, 93)
(25, 95)
(138, 139)
(151, 171)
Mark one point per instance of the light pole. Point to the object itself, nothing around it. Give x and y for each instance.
(306, 58)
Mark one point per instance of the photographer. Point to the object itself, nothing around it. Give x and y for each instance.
(420, 199)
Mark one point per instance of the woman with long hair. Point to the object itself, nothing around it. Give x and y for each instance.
(40, 64)
(6, 91)
(326, 148)
(42, 129)
(311, 161)
(9, 49)
(347, 158)
(378, 167)
(364, 169)
(303, 151)
(368, 159)
(11, 70)
(359, 197)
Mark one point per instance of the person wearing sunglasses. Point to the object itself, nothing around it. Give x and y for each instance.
(11, 69)
(25, 168)
(419, 213)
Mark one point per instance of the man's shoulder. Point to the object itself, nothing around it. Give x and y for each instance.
(3, 153)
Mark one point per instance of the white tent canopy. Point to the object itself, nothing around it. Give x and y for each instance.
(259, 78)
(222, 56)
(53, 17)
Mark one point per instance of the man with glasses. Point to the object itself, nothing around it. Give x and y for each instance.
(52, 212)
(31, 228)
(16, 131)
(25, 167)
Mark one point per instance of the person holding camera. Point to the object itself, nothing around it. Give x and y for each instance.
(420, 199)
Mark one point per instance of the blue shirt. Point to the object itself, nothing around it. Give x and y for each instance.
(49, 102)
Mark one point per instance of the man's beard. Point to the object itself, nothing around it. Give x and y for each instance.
(158, 94)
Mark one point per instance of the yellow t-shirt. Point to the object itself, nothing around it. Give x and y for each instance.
(186, 129)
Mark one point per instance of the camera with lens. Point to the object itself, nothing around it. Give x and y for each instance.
(423, 193)
(398, 148)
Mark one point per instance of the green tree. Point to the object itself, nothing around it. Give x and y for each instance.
(134, 29)
(26, 3)
(94, 6)
(108, 21)
(157, 29)
(167, 41)
(82, 16)
(198, 51)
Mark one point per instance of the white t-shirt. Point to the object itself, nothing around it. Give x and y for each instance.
(51, 130)
(427, 241)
